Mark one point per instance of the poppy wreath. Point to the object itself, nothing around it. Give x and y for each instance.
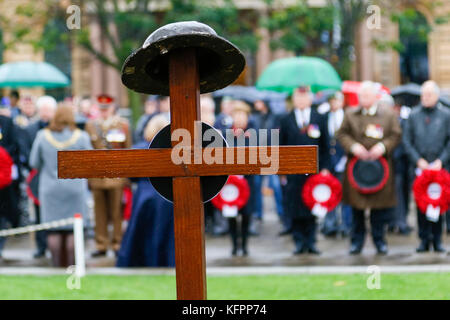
(5, 168)
(366, 190)
(30, 180)
(241, 190)
(322, 179)
(421, 185)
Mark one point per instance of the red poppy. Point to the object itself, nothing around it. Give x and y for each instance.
(423, 190)
(322, 189)
(235, 192)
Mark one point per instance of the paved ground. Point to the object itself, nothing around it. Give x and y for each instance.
(266, 250)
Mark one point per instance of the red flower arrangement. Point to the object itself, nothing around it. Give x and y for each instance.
(235, 192)
(5, 168)
(421, 190)
(322, 179)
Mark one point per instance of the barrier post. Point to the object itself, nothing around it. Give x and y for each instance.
(80, 265)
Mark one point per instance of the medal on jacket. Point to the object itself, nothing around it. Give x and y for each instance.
(313, 131)
(115, 135)
(374, 131)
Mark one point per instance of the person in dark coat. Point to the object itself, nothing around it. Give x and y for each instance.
(9, 202)
(401, 168)
(267, 120)
(149, 238)
(243, 134)
(223, 120)
(357, 137)
(339, 219)
(304, 126)
(426, 138)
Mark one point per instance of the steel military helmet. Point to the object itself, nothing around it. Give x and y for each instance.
(147, 69)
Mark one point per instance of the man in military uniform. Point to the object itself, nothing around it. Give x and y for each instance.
(369, 132)
(109, 131)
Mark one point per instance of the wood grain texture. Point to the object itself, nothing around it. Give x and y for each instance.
(189, 239)
(158, 163)
(187, 200)
(184, 91)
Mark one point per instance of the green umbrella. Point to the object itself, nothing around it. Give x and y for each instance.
(285, 75)
(32, 74)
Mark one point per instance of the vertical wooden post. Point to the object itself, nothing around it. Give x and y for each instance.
(187, 195)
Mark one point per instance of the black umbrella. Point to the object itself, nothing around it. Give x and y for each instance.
(407, 94)
(445, 101)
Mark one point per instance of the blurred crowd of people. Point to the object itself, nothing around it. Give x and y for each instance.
(33, 130)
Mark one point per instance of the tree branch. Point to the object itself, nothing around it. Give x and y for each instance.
(104, 20)
(100, 56)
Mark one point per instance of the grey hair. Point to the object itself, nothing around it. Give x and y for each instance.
(46, 100)
(433, 84)
(387, 100)
(369, 85)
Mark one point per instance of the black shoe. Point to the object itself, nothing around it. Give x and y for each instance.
(98, 253)
(330, 234)
(404, 231)
(382, 249)
(300, 250)
(255, 227)
(355, 249)
(39, 254)
(313, 250)
(437, 246)
(424, 246)
(285, 232)
(244, 252)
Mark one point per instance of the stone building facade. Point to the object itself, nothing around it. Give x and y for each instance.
(90, 77)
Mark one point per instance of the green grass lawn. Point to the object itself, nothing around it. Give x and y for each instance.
(393, 286)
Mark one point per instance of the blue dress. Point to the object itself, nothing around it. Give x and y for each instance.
(149, 238)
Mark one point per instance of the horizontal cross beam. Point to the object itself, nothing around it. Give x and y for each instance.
(158, 163)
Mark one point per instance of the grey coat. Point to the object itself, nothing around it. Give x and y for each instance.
(426, 134)
(59, 199)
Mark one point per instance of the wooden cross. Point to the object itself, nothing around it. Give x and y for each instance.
(187, 196)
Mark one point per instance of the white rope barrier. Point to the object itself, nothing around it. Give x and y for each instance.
(78, 235)
(37, 227)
